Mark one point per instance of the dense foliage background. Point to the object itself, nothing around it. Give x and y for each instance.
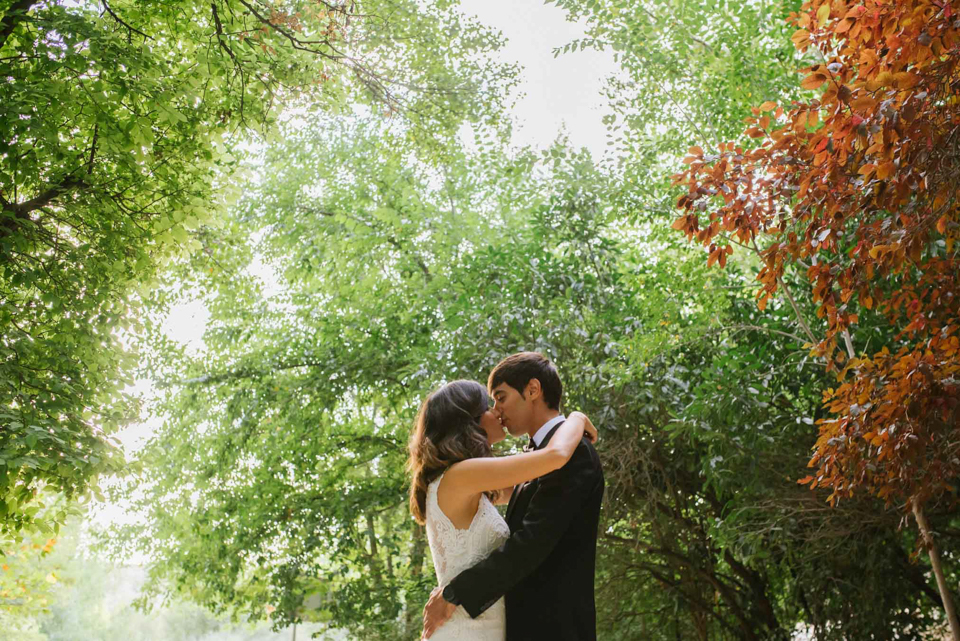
(334, 182)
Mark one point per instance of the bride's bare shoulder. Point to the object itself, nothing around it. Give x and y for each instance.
(452, 479)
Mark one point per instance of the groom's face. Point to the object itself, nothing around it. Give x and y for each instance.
(512, 409)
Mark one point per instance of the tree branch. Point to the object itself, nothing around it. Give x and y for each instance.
(236, 63)
(692, 600)
(848, 342)
(120, 20)
(371, 80)
(93, 148)
(796, 311)
(786, 292)
(21, 211)
(240, 373)
(759, 328)
(390, 238)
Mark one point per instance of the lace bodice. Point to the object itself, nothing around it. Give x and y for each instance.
(455, 550)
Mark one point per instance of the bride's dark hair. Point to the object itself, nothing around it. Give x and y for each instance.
(447, 431)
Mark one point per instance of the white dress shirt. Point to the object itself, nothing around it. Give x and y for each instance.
(545, 429)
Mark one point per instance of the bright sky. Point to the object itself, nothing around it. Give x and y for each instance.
(561, 92)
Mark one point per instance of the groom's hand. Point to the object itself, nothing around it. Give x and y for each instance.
(436, 612)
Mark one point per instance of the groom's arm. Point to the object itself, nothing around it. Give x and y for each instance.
(558, 499)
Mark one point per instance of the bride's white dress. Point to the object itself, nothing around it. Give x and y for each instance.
(456, 550)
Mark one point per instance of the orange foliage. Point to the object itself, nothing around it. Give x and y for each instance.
(860, 187)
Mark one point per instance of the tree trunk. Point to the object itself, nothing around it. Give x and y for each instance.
(937, 570)
(13, 15)
(417, 557)
(374, 559)
(418, 554)
(758, 587)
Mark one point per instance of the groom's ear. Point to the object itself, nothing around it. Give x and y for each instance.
(533, 389)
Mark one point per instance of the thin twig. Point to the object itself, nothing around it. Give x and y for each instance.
(121, 21)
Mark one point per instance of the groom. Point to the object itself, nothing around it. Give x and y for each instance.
(545, 569)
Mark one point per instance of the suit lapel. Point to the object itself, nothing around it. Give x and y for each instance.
(512, 502)
(517, 500)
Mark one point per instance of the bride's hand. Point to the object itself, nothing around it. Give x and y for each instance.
(589, 430)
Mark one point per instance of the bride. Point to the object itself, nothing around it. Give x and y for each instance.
(456, 481)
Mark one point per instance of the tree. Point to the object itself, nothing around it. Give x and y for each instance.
(113, 130)
(690, 70)
(857, 187)
(302, 403)
(707, 534)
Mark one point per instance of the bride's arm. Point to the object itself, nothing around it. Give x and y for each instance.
(476, 475)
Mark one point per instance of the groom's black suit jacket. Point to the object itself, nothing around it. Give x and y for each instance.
(545, 569)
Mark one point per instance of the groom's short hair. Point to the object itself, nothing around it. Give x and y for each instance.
(519, 369)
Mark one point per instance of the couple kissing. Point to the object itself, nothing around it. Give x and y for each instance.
(528, 576)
